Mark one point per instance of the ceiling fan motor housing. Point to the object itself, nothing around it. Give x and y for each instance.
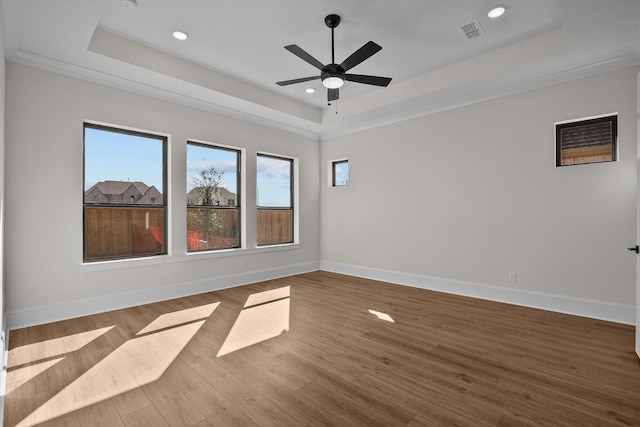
(332, 70)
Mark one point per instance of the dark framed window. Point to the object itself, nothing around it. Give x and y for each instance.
(587, 141)
(275, 202)
(125, 205)
(340, 173)
(213, 194)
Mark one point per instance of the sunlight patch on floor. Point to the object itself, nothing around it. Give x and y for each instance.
(176, 318)
(135, 363)
(20, 376)
(382, 316)
(54, 347)
(266, 317)
(268, 296)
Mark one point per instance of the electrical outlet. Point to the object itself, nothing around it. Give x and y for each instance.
(512, 276)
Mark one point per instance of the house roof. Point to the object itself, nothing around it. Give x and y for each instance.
(118, 187)
(196, 193)
(229, 66)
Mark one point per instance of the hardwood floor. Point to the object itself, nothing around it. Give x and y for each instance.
(306, 351)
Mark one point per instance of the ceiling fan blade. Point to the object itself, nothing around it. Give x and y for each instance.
(368, 80)
(333, 94)
(360, 55)
(294, 81)
(300, 53)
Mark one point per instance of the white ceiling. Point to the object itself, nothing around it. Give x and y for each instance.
(235, 52)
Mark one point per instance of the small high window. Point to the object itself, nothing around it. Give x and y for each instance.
(584, 141)
(340, 173)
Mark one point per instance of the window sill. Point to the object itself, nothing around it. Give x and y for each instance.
(180, 258)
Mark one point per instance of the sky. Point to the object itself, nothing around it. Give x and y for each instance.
(122, 157)
(111, 156)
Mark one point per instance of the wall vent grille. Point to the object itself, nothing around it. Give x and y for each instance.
(472, 30)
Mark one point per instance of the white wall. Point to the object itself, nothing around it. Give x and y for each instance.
(466, 195)
(473, 193)
(45, 114)
(638, 220)
(3, 344)
(2, 161)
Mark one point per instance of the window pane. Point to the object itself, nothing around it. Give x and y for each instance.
(274, 226)
(274, 181)
(340, 171)
(112, 156)
(118, 232)
(213, 214)
(275, 200)
(586, 141)
(211, 228)
(124, 181)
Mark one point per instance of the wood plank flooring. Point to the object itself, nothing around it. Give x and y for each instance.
(306, 351)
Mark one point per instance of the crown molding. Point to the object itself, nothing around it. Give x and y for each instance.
(190, 95)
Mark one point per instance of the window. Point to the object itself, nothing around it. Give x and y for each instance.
(213, 183)
(587, 141)
(275, 200)
(123, 170)
(340, 173)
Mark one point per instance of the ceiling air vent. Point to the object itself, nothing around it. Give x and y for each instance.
(473, 30)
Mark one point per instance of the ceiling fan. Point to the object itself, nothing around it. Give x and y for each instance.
(334, 75)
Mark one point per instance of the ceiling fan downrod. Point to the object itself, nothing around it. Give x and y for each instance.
(332, 21)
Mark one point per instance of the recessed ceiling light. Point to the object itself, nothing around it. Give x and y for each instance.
(497, 11)
(310, 90)
(129, 3)
(180, 35)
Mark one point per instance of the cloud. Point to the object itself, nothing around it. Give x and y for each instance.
(226, 166)
(274, 168)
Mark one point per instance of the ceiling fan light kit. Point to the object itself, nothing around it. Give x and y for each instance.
(332, 82)
(334, 75)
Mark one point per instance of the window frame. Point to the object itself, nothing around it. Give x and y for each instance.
(292, 200)
(238, 206)
(165, 193)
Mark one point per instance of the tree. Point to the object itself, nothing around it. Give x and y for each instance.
(208, 181)
(205, 192)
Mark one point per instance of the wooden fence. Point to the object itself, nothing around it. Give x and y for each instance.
(122, 231)
(274, 226)
(118, 232)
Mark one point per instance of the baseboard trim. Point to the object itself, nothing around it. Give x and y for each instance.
(55, 312)
(602, 310)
